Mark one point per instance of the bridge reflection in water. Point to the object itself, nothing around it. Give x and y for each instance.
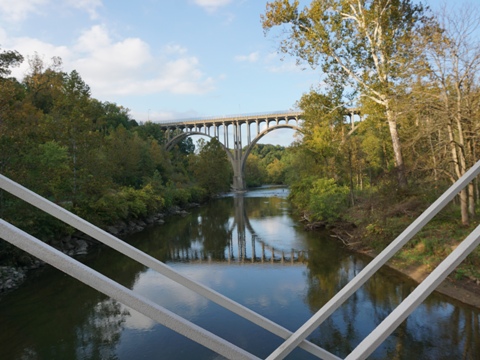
(244, 245)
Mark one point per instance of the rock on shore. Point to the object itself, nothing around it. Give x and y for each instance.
(11, 277)
(79, 243)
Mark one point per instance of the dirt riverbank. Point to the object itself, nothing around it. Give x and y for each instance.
(464, 290)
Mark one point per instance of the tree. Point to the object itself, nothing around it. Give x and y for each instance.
(10, 93)
(44, 83)
(211, 167)
(366, 45)
(451, 77)
(255, 173)
(324, 129)
(276, 172)
(9, 59)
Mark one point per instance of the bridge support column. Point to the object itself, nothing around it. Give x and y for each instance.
(239, 184)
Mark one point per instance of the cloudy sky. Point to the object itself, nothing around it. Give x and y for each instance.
(162, 59)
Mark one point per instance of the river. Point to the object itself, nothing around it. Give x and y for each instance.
(251, 249)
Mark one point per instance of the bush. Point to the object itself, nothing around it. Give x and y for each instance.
(124, 204)
(198, 194)
(327, 200)
(300, 192)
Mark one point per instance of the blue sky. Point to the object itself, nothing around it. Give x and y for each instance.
(163, 59)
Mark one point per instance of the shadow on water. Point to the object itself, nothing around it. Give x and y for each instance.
(248, 248)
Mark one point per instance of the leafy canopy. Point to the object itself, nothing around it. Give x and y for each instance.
(365, 44)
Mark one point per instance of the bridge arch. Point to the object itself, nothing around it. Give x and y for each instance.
(171, 143)
(231, 127)
(175, 140)
(249, 148)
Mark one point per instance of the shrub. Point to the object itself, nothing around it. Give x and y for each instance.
(327, 200)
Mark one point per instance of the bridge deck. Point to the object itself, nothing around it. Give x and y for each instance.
(228, 119)
(244, 118)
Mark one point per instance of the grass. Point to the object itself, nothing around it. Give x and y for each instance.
(380, 218)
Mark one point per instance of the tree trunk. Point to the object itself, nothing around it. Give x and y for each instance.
(471, 199)
(458, 171)
(397, 150)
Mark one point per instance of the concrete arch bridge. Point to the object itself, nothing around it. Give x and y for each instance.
(235, 131)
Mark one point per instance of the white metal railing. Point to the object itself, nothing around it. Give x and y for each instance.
(74, 268)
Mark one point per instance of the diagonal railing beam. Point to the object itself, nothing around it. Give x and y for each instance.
(407, 306)
(145, 259)
(349, 289)
(118, 292)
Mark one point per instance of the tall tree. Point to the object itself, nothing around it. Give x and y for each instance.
(366, 45)
(452, 74)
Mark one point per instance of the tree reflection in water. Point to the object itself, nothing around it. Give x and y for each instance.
(98, 336)
(436, 330)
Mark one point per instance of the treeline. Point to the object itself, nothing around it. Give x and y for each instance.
(265, 165)
(89, 156)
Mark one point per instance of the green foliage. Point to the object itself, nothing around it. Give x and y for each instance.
(50, 162)
(368, 44)
(365, 48)
(322, 199)
(85, 155)
(211, 167)
(124, 204)
(276, 172)
(327, 200)
(255, 172)
(9, 59)
(266, 165)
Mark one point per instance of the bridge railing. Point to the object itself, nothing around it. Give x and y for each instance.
(126, 296)
(230, 117)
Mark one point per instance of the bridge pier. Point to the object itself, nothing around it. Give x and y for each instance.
(239, 184)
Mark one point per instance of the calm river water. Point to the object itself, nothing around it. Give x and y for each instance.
(251, 249)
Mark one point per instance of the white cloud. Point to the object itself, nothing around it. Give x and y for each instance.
(119, 67)
(252, 57)
(90, 6)
(29, 47)
(174, 49)
(128, 66)
(276, 64)
(18, 10)
(212, 5)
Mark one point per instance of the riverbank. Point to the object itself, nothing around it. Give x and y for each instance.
(370, 225)
(465, 290)
(77, 244)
